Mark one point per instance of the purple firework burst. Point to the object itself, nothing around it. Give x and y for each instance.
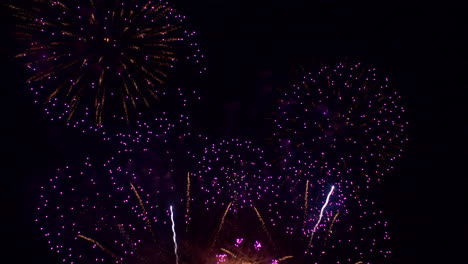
(345, 116)
(86, 219)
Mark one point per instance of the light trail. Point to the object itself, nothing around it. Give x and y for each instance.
(174, 235)
(263, 224)
(330, 230)
(142, 206)
(321, 214)
(99, 245)
(306, 203)
(221, 224)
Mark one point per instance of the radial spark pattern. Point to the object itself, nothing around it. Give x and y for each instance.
(345, 116)
(99, 62)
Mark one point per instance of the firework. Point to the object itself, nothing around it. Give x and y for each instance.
(101, 61)
(90, 216)
(221, 223)
(345, 116)
(86, 219)
(233, 171)
(338, 224)
(338, 131)
(109, 214)
(253, 241)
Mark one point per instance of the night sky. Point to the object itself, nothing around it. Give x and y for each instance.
(253, 48)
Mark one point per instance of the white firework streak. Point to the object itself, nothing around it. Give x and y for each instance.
(321, 214)
(174, 236)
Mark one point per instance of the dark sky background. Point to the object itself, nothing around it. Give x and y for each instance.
(251, 47)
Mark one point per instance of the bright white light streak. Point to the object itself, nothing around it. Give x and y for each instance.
(174, 236)
(321, 214)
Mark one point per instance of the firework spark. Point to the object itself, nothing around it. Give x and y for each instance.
(247, 252)
(306, 201)
(187, 205)
(99, 245)
(234, 170)
(142, 206)
(260, 218)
